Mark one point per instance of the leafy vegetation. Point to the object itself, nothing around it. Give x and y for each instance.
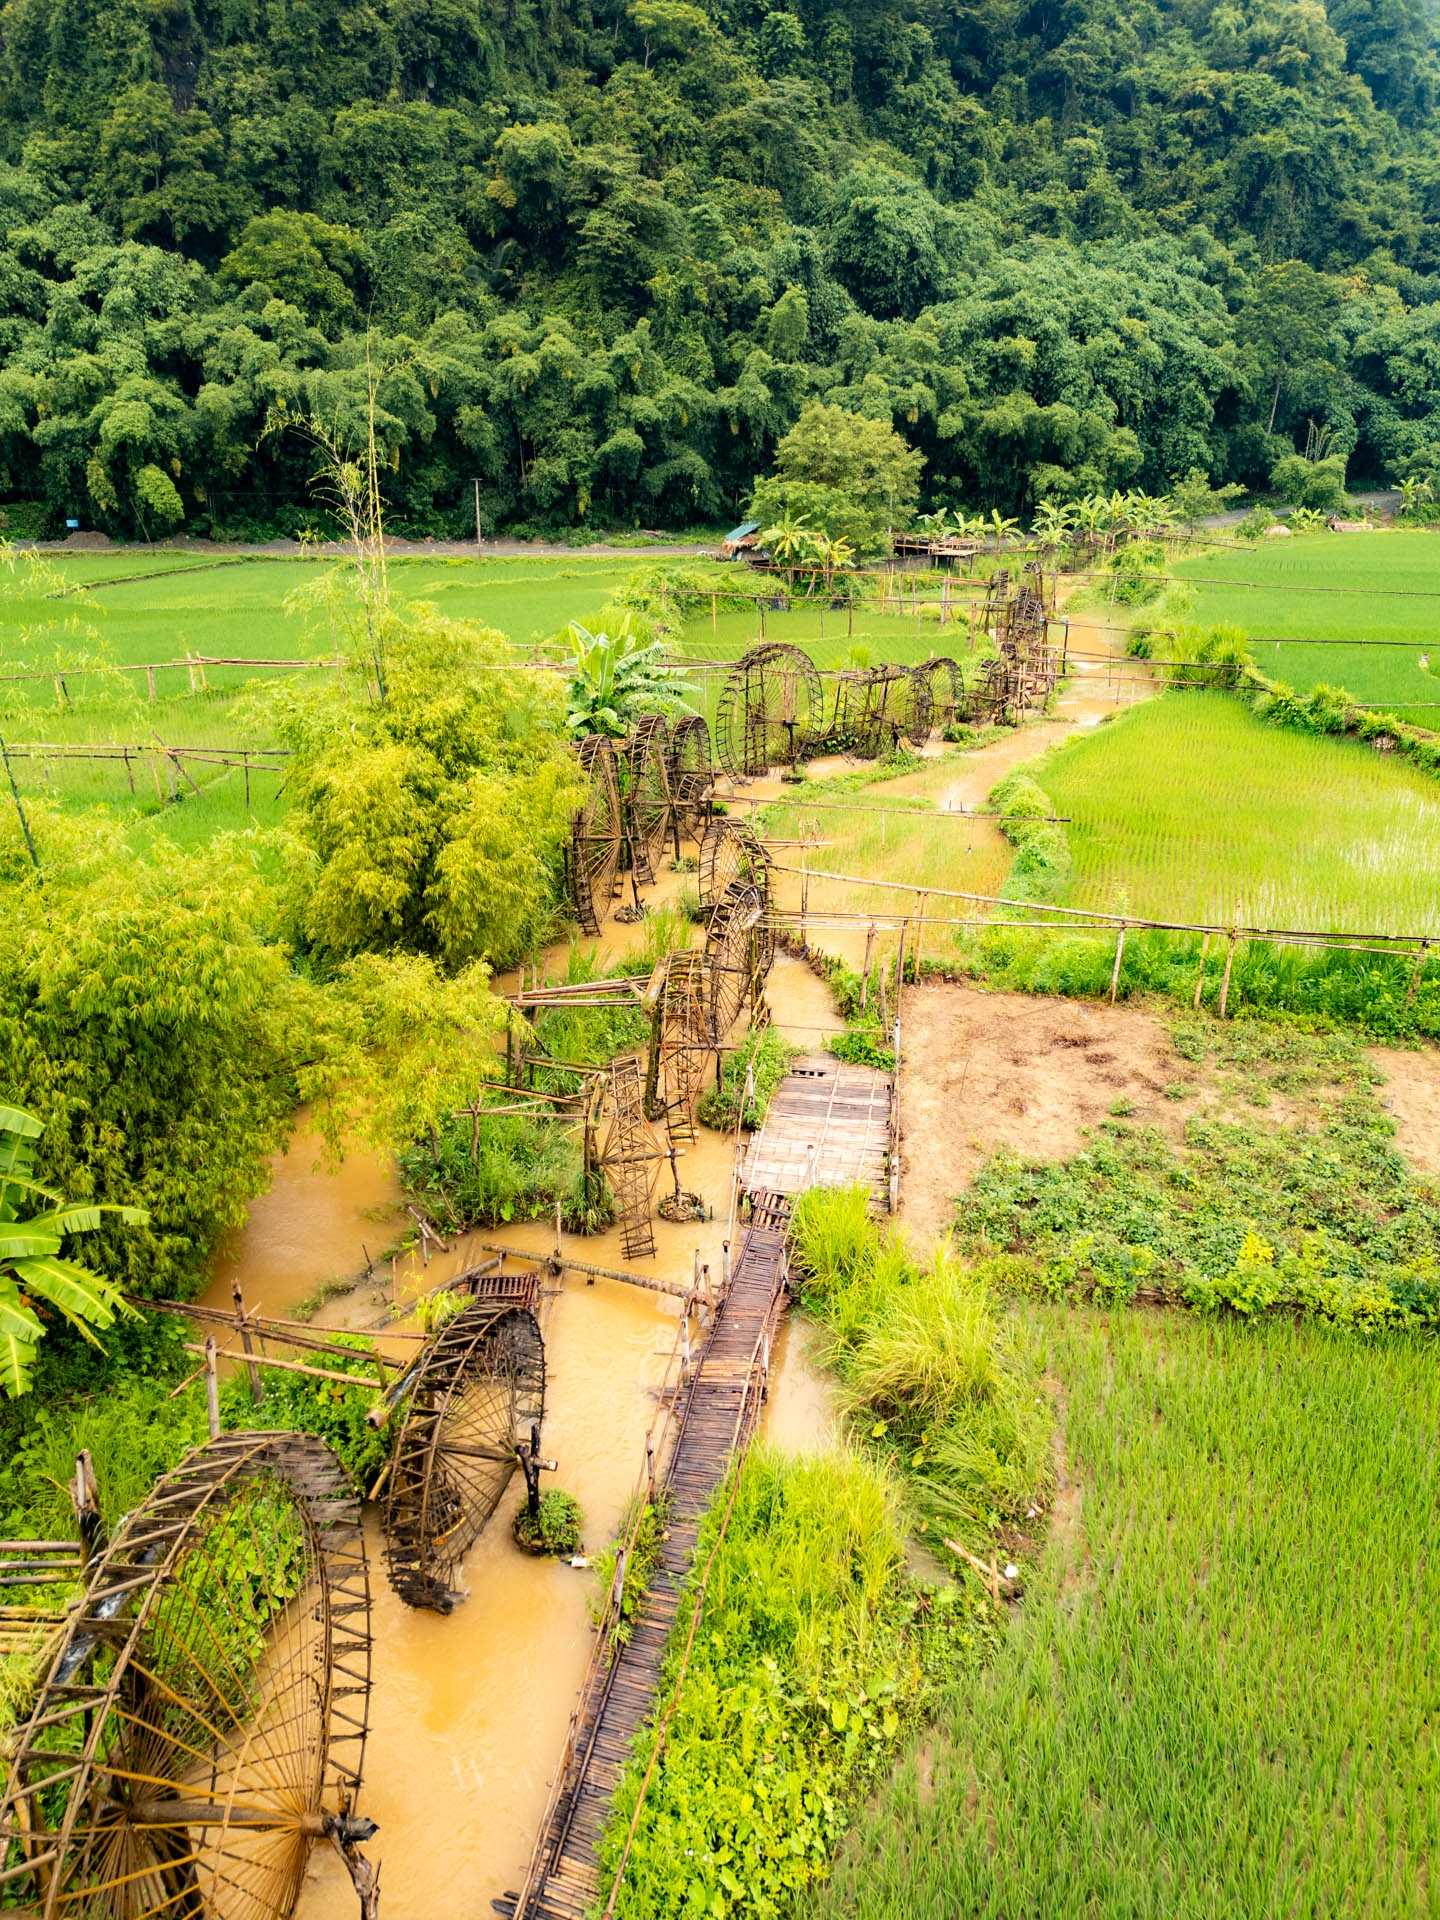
(769, 1054)
(814, 1651)
(1203, 1708)
(34, 1225)
(556, 1527)
(1321, 1217)
(602, 262)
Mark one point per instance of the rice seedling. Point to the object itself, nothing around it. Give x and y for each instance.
(1201, 1709)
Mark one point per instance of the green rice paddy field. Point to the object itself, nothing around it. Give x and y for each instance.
(1365, 606)
(1218, 1699)
(1189, 808)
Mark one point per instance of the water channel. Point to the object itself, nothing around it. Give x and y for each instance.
(469, 1711)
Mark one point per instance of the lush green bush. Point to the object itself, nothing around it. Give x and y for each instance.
(767, 1050)
(814, 1652)
(1041, 867)
(335, 1414)
(151, 1025)
(557, 1528)
(517, 1170)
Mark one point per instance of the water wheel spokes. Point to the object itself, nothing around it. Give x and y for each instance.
(909, 710)
(692, 774)
(738, 949)
(478, 1388)
(203, 1719)
(770, 712)
(682, 1042)
(595, 833)
(729, 850)
(630, 1155)
(648, 804)
(947, 692)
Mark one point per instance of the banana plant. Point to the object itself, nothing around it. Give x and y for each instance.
(615, 679)
(1051, 523)
(34, 1225)
(1000, 526)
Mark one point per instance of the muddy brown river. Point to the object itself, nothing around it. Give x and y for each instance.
(468, 1712)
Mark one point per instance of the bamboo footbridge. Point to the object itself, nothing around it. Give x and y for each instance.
(828, 1125)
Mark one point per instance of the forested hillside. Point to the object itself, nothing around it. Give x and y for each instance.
(604, 251)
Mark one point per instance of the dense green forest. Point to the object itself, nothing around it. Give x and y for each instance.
(603, 253)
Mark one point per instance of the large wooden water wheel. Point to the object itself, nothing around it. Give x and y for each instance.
(770, 712)
(476, 1392)
(593, 859)
(692, 774)
(947, 692)
(203, 1719)
(628, 1153)
(857, 718)
(908, 712)
(680, 1051)
(739, 948)
(648, 804)
(730, 850)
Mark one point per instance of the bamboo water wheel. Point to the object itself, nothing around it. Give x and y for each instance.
(473, 1396)
(857, 718)
(203, 1719)
(629, 1153)
(908, 707)
(947, 692)
(730, 850)
(692, 774)
(739, 948)
(681, 1045)
(770, 712)
(648, 806)
(593, 860)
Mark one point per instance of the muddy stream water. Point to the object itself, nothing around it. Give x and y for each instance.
(469, 1712)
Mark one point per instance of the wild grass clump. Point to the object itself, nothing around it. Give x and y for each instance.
(517, 1170)
(931, 1367)
(770, 1054)
(815, 1651)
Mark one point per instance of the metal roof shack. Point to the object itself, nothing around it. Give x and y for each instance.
(740, 539)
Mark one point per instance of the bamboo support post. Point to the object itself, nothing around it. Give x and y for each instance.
(257, 1387)
(1225, 978)
(865, 971)
(212, 1384)
(285, 1366)
(1200, 976)
(1115, 970)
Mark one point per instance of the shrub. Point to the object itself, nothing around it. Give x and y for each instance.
(555, 1528)
(770, 1054)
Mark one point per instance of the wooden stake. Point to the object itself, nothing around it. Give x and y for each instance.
(865, 974)
(150, 683)
(257, 1388)
(212, 1385)
(1200, 977)
(1115, 971)
(1225, 980)
(920, 899)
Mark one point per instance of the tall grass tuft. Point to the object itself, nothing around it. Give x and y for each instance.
(930, 1365)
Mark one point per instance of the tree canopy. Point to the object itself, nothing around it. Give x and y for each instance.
(611, 252)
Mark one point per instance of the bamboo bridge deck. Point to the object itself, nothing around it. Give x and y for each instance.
(832, 1126)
